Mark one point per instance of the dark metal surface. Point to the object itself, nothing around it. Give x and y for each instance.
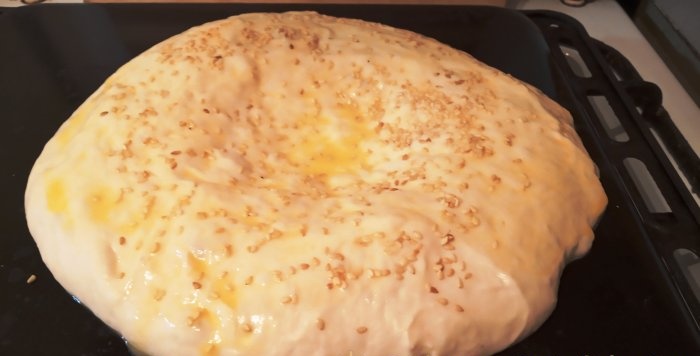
(637, 104)
(617, 300)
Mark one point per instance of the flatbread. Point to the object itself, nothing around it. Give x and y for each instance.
(298, 184)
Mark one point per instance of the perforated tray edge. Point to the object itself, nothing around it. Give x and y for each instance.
(664, 233)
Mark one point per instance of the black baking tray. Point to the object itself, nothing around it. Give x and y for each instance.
(627, 297)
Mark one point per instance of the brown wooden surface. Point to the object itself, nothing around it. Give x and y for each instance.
(428, 2)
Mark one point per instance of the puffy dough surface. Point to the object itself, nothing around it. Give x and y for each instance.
(297, 184)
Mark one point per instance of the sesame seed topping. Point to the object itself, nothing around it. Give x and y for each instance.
(475, 221)
(247, 327)
(196, 285)
(248, 281)
(447, 239)
(442, 301)
(411, 269)
(320, 324)
(363, 240)
(274, 234)
(304, 266)
(31, 279)
(361, 330)
(459, 308)
(337, 256)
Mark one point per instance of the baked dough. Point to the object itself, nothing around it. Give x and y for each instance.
(298, 184)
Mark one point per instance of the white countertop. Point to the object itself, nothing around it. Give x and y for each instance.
(605, 20)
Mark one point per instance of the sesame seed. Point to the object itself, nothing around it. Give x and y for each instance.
(447, 239)
(122, 240)
(363, 240)
(459, 308)
(304, 266)
(338, 256)
(202, 215)
(417, 236)
(248, 281)
(196, 285)
(320, 324)
(31, 279)
(274, 234)
(442, 301)
(286, 300)
(432, 289)
(246, 327)
(411, 269)
(252, 248)
(475, 221)
(361, 330)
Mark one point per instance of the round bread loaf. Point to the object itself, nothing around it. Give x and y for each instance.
(298, 184)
